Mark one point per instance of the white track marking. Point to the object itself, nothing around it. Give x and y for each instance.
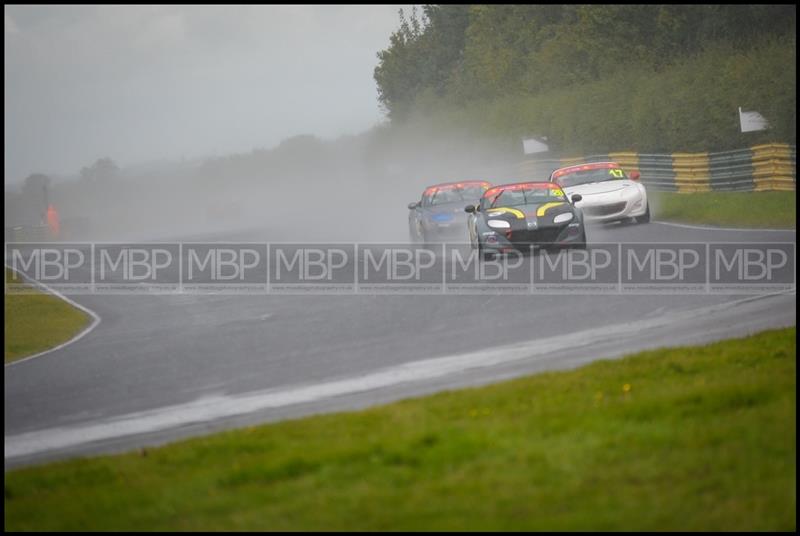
(95, 320)
(210, 408)
(687, 226)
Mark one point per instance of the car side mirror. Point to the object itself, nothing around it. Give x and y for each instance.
(576, 198)
(470, 209)
(412, 206)
(634, 175)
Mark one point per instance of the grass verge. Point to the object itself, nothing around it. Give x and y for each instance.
(36, 321)
(729, 209)
(696, 438)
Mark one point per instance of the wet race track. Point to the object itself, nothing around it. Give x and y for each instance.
(161, 367)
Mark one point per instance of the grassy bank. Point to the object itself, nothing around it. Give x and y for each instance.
(36, 321)
(729, 209)
(697, 438)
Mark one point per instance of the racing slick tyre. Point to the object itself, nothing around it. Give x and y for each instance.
(644, 218)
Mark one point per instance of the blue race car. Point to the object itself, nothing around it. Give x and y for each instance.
(439, 214)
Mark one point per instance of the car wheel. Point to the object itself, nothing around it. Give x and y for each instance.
(425, 238)
(483, 254)
(582, 243)
(644, 218)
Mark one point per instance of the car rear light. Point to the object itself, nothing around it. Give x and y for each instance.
(634, 175)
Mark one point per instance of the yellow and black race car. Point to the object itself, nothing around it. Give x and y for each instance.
(523, 215)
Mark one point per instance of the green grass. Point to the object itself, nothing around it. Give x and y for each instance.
(730, 209)
(36, 321)
(702, 438)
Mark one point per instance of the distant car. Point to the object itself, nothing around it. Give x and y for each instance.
(439, 214)
(609, 194)
(516, 216)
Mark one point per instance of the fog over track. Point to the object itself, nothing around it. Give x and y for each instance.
(161, 367)
(168, 366)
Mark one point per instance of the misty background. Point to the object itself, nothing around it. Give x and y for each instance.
(164, 122)
(146, 83)
(324, 122)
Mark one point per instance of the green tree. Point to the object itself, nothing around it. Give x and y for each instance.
(594, 77)
(398, 72)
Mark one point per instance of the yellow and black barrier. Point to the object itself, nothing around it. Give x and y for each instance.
(731, 171)
(691, 172)
(774, 167)
(760, 168)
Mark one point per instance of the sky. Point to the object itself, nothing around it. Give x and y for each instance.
(145, 83)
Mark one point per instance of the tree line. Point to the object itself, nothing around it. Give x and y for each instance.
(462, 60)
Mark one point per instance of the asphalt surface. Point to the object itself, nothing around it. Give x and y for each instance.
(158, 368)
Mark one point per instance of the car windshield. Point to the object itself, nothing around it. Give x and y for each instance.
(472, 193)
(585, 176)
(516, 196)
(452, 194)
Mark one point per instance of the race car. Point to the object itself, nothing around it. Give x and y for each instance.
(609, 194)
(516, 216)
(439, 214)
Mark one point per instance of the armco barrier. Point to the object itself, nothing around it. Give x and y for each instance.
(626, 160)
(760, 168)
(731, 171)
(28, 233)
(773, 167)
(657, 171)
(691, 172)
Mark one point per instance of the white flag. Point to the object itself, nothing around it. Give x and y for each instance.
(751, 121)
(532, 145)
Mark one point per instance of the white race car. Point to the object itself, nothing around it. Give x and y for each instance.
(608, 193)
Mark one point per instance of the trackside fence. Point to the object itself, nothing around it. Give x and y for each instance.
(770, 167)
